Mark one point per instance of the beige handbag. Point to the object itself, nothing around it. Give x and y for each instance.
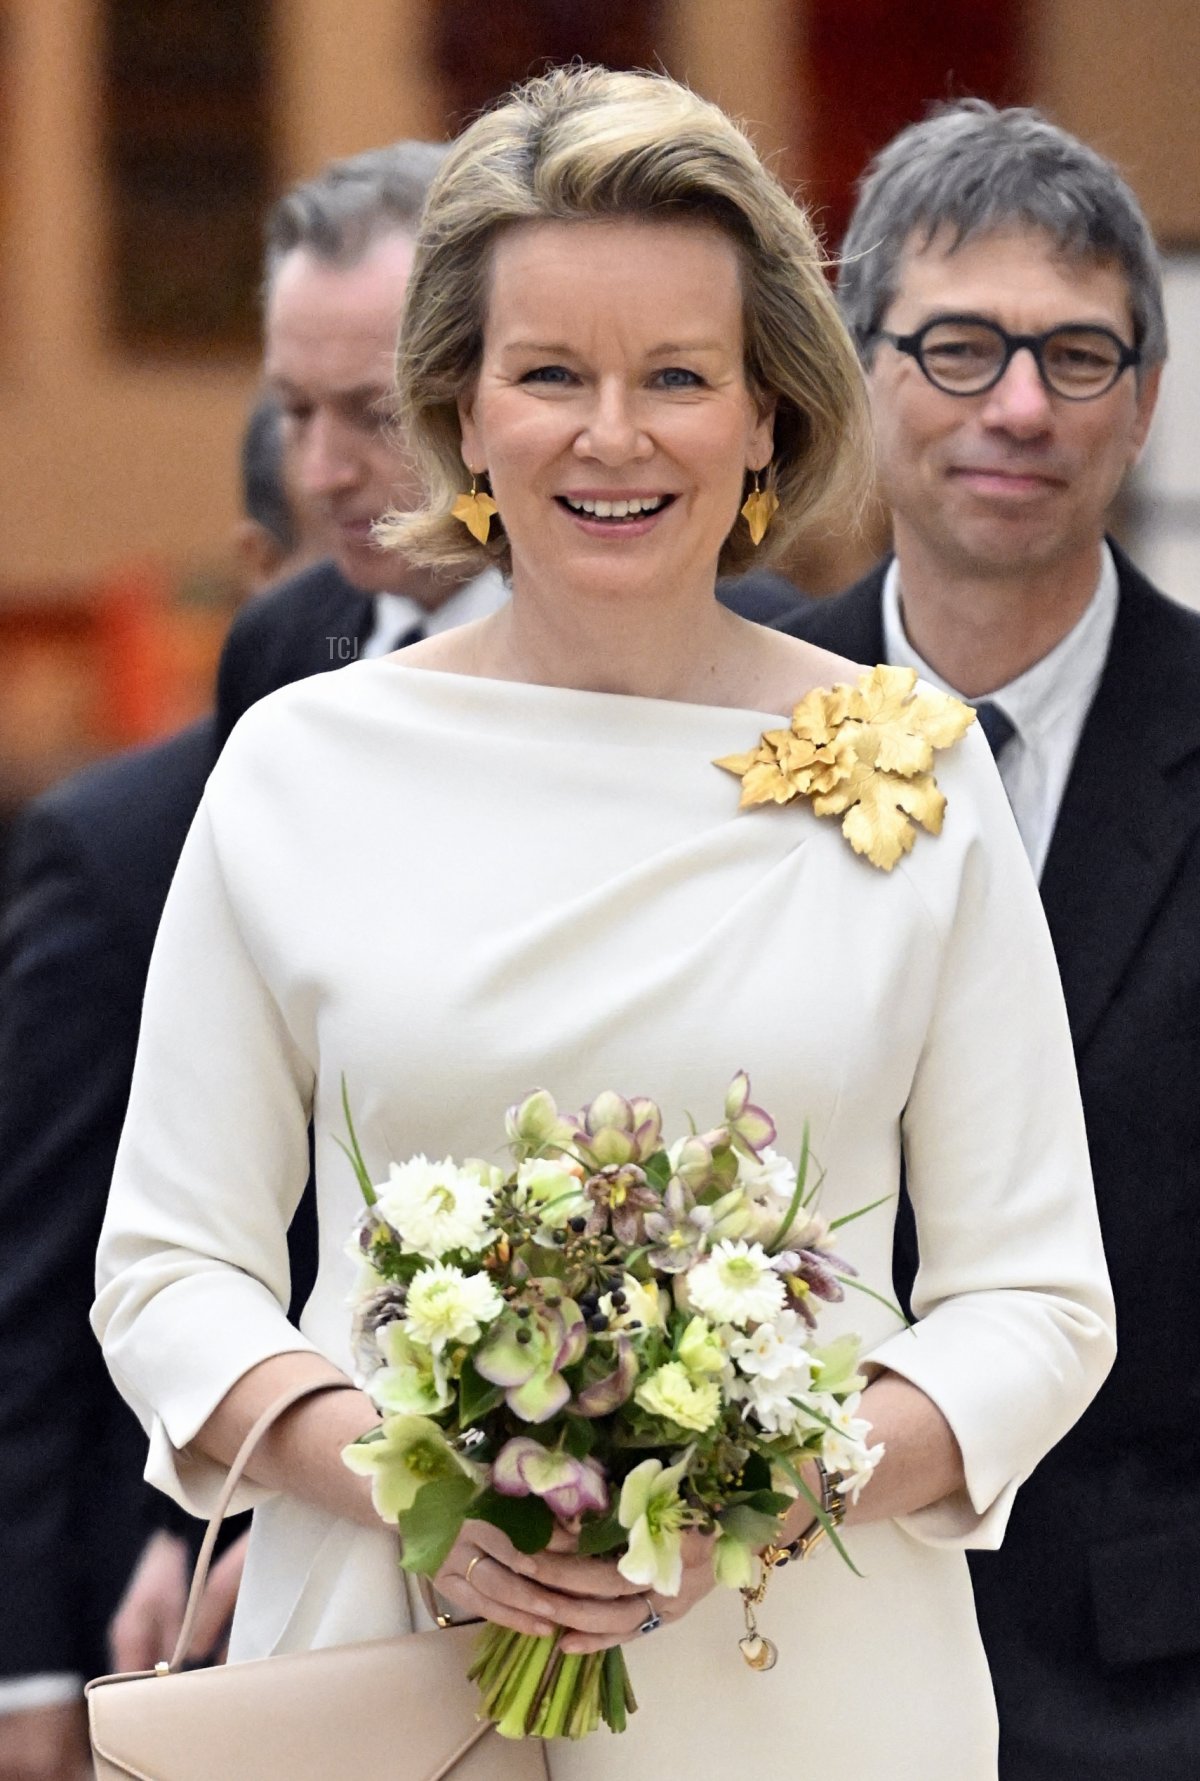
(400, 1708)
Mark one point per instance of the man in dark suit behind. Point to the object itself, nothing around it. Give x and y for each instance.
(1004, 292)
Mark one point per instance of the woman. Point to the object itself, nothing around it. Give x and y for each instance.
(507, 859)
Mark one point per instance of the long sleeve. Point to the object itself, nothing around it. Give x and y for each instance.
(1015, 1314)
(193, 1276)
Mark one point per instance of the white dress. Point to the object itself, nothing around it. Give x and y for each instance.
(453, 890)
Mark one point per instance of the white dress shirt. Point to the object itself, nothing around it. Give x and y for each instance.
(1046, 705)
(396, 613)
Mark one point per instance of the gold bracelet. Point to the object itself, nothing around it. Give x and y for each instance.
(832, 1514)
(760, 1652)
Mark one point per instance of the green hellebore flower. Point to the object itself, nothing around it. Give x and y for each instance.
(733, 1562)
(835, 1366)
(400, 1457)
(414, 1381)
(700, 1350)
(533, 1125)
(654, 1514)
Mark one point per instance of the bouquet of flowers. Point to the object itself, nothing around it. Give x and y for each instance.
(615, 1335)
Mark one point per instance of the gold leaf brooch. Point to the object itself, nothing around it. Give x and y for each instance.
(863, 753)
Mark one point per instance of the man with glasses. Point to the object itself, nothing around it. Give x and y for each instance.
(1004, 291)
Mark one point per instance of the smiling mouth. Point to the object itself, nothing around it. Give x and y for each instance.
(633, 507)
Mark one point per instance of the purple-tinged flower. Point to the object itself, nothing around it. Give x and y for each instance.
(752, 1125)
(569, 1487)
(605, 1395)
(809, 1273)
(678, 1230)
(620, 1196)
(528, 1347)
(612, 1131)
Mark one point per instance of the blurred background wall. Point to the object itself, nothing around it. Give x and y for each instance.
(141, 140)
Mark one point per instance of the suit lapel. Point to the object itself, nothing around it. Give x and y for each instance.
(1123, 824)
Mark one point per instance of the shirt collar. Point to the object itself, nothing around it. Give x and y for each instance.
(477, 598)
(1064, 679)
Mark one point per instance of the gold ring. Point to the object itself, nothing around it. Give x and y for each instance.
(471, 1566)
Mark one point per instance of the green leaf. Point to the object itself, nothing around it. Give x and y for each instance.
(601, 1536)
(749, 1526)
(768, 1502)
(756, 1473)
(849, 1217)
(526, 1520)
(353, 1151)
(797, 1200)
(476, 1395)
(658, 1170)
(849, 1280)
(429, 1529)
(579, 1436)
(819, 1514)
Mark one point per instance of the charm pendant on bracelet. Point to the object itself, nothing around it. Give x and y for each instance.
(759, 1651)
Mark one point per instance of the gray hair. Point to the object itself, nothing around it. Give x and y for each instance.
(339, 215)
(971, 168)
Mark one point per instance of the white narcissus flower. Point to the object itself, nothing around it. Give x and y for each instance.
(437, 1208)
(775, 1349)
(672, 1392)
(445, 1305)
(736, 1284)
(844, 1448)
(768, 1172)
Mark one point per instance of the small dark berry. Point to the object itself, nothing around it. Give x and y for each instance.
(552, 1301)
(598, 1322)
(523, 1311)
(615, 1282)
(578, 1223)
(524, 1335)
(619, 1300)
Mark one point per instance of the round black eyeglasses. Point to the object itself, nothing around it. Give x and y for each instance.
(962, 355)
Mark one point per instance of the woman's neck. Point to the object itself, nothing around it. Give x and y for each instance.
(686, 648)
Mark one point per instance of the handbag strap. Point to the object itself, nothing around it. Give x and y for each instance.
(242, 1459)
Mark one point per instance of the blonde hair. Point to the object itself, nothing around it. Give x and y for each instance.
(583, 144)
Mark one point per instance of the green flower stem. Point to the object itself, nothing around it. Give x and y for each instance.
(529, 1688)
(518, 1693)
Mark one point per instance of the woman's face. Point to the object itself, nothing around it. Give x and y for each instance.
(611, 411)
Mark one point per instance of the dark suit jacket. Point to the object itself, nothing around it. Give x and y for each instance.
(317, 621)
(1091, 1610)
(92, 863)
(90, 866)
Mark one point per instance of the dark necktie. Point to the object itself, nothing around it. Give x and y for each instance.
(996, 725)
(410, 634)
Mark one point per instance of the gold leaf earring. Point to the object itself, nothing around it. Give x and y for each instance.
(759, 509)
(475, 512)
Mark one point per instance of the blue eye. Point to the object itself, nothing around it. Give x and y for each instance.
(675, 377)
(554, 374)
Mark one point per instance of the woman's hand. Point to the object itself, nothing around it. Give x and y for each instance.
(698, 1579)
(586, 1597)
